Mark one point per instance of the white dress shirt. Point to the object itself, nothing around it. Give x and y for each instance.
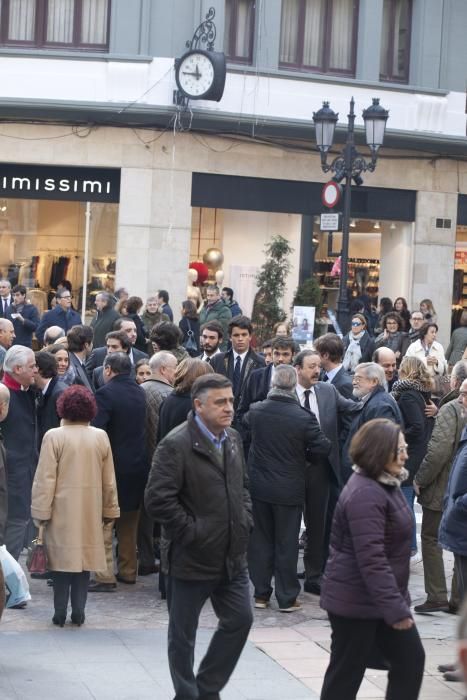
(312, 399)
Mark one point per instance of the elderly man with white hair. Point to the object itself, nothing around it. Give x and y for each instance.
(283, 437)
(370, 387)
(19, 434)
(156, 388)
(4, 405)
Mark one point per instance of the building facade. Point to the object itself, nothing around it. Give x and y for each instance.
(88, 115)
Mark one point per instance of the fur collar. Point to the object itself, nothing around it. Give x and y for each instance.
(386, 478)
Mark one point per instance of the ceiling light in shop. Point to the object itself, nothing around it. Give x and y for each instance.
(393, 226)
(377, 225)
(353, 223)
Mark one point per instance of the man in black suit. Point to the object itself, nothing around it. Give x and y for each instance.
(211, 340)
(96, 358)
(121, 412)
(259, 382)
(5, 297)
(323, 478)
(50, 388)
(79, 339)
(331, 350)
(24, 316)
(238, 363)
(115, 341)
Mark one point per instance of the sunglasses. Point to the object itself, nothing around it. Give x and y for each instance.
(357, 323)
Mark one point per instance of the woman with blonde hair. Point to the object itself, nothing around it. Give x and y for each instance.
(413, 393)
(428, 310)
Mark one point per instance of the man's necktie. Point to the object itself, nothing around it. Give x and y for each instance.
(325, 378)
(237, 375)
(306, 403)
(5, 306)
(208, 360)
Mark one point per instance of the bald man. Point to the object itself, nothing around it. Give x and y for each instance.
(386, 358)
(7, 336)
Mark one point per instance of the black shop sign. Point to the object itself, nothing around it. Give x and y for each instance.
(18, 181)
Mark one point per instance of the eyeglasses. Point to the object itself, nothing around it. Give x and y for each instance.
(356, 379)
(356, 323)
(401, 450)
(391, 323)
(417, 318)
(66, 296)
(462, 393)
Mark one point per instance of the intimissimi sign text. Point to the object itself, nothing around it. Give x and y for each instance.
(19, 181)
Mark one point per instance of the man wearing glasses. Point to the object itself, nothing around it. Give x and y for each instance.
(62, 315)
(5, 297)
(416, 322)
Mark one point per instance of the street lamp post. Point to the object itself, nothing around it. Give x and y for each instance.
(349, 165)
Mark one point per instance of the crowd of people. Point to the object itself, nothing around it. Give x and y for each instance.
(200, 456)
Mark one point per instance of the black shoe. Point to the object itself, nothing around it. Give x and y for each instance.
(453, 608)
(301, 574)
(147, 570)
(128, 581)
(59, 619)
(46, 575)
(96, 587)
(447, 668)
(312, 587)
(77, 618)
(19, 606)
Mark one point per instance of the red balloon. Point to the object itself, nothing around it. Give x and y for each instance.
(202, 270)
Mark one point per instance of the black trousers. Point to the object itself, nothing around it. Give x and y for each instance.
(231, 602)
(66, 585)
(273, 551)
(317, 520)
(353, 644)
(460, 565)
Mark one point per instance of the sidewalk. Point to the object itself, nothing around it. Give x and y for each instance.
(120, 652)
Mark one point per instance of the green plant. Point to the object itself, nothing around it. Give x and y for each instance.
(308, 293)
(271, 281)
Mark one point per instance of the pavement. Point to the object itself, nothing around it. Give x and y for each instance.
(120, 653)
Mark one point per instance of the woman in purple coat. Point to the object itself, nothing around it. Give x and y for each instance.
(365, 586)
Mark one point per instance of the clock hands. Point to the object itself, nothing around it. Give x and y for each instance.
(197, 74)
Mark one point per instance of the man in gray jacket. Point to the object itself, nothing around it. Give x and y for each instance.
(197, 490)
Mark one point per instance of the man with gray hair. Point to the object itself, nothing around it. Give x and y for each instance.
(156, 388)
(19, 433)
(284, 438)
(370, 387)
(5, 297)
(105, 317)
(430, 486)
(7, 336)
(53, 335)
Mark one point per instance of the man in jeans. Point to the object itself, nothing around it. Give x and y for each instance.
(197, 490)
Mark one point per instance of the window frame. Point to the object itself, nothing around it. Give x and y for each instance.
(325, 48)
(40, 30)
(232, 35)
(387, 77)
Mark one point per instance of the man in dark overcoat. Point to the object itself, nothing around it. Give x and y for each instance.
(121, 412)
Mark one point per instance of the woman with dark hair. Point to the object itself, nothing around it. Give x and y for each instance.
(167, 336)
(189, 326)
(393, 335)
(385, 306)
(133, 307)
(400, 306)
(358, 345)
(412, 392)
(74, 491)
(66, 372)
(142, 371)
(429, 350)
(365, 585)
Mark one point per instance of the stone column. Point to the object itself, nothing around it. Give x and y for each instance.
(433, 256)
(154, 231)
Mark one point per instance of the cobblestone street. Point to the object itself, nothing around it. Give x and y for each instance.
(120, 652)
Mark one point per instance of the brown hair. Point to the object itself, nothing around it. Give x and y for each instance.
(392, 316)
(331, 344)
(413, 368)
(187, 371)
(133, 304)
(361, 318)
(374, 446)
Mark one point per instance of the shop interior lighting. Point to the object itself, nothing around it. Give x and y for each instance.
(377, 225)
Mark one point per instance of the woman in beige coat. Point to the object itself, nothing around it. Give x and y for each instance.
(74, 491)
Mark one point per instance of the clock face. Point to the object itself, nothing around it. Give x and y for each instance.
(195, 74)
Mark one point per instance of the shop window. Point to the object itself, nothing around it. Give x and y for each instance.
(395, 40)
(319, 35)
(70, 24)
(239, 30)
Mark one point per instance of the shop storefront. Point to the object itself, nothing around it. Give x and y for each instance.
(59, 223)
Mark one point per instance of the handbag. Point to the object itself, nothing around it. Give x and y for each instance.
(190, 343)
(37, 555)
